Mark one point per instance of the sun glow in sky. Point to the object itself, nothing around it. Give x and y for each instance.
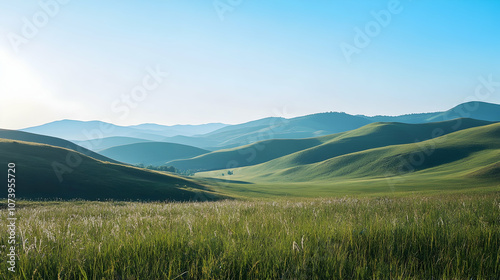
(25, 93)
(235, 61)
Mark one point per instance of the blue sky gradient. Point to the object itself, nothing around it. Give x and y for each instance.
(259, 59)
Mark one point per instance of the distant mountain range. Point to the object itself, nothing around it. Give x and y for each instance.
(88, 130)
(220, 136)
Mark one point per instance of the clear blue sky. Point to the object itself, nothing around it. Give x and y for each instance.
(257, 59)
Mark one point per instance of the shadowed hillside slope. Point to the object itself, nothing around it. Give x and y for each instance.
(289, 153)
(246, 155)
(53, 141)
(44, 171)
(372, 136)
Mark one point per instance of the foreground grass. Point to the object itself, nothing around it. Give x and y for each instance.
(455, 236)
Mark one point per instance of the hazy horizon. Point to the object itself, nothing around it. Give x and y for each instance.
(174, 62)
(202, 123)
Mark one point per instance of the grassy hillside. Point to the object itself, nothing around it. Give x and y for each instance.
(53, 141)
(463, 153)
(246, 155)
(154, 153)
(108, 142)
(369, 137)
(304, 151)
(44, 171)
(491, 171)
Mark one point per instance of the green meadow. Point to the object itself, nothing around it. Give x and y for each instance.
(452, 236)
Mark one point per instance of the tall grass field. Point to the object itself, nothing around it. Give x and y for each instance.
(454, 236)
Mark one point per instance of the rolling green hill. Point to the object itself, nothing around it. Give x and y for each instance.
(246, 155)
(151, 153)
(44, 171)
(372, 136)
(289, 153)
(53, 141)
(491, 171)
(473, 152)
